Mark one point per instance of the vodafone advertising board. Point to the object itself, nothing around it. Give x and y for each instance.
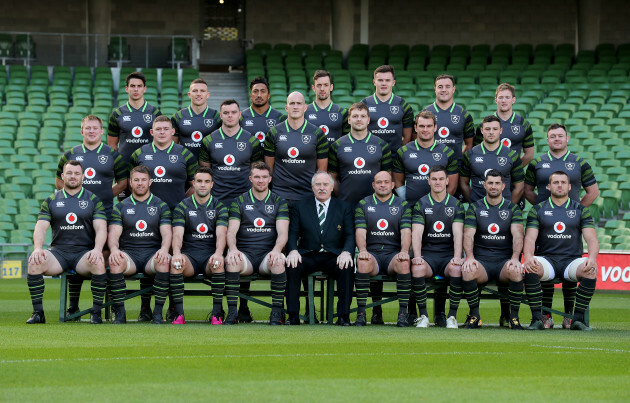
(614, 271)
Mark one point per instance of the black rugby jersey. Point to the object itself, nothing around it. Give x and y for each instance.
(132, 127)
(191, 128)
(389, 118)
(453, 126)
(141, 222)
(493, 238)
(437, 219)
(259, 125)
(332, 120)
(516, 133)
(200, 222)
(383, 222)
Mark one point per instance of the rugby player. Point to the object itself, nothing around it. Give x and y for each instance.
(328, 116)
(553, 249)
(258, 230)
(493, 242)
(260, 117)
(437, 233)
(79, 228)
(383, 237)
(139, 240)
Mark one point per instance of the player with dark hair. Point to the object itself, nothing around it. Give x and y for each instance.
(493, 242)
(355, 158)
(199, 238)
(79, 228)
(139, 240)
(383, 236)
(328, 116)
(260, 117)
(437, 233)
(258, 230)
(391, 116)
(194, 123)
(553, 249)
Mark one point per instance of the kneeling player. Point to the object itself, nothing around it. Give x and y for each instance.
(79, 226)
(493, 241)
(139, 240)
(383, 235)
(258, 229)
(553, 234)
(437, 231)
(199, 228)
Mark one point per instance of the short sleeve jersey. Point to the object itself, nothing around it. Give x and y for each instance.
(259, 125)
(71, 218)
(332, 120)
(141, 222)
(296, 153)
(478, 160)
(200, 222)
(356, 162)
(230, 158)
(102, 167)
(453, 126)
(415, 161)
(389, 118)
(191, 128)
(493, 238)
(437, 219)
(516, 133)
(559, 227)
(257, 230)
(383, 222)
(540, 169)
(132, 127)
(170, 170)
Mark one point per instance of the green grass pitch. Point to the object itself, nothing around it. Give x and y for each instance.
(256, 362)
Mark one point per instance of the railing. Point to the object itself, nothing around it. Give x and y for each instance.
(91, 49)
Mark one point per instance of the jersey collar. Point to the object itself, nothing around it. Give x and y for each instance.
(327, 109)
(65, 195)
(286, 124)
(237, 134)
(365, 140)
(483, 149)
(168, 150)
(204, 112)
(254, 200)
(388, 102)
(485, 201)
(553, 205)
(511, 119)
(418, 146)
(147, 201)
(254, 113)
(376, 201)
(98, 149)
(551, 157)
(143, 106)
(195, 201)
(445, 200)
(438, 109)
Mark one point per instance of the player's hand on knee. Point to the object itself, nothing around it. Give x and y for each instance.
(276, 259)
(234, 257)
(531, 265)
(116, 258)
(515, 266)
(590, 266)
(469, 266)
(344, 260)
(364, 255)
(95, 257)
(162, 257)
(457, 261)
(403, 256)
(417, 260)
(37, 257)
(216, 262)
(178, 261)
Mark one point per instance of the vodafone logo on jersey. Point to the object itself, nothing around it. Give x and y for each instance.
(438, 226)
(423, 169)
(137, 132)
(71, 218)
(197, 136)
(159, 171)
(141, 225)
(229, 160)
(443, 132)
(202, 228)
(89, 173)
(359, 162)
(383, 123)
(559, 227)
(382, 224)
(506, 142)
(259, 222)
(324, 128)
(493, 228)
(260, 136)
(293, 152)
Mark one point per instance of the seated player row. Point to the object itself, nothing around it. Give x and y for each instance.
(321, 235)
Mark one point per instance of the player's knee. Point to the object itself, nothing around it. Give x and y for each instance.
(401, 267)
(420, 270)
(453, 270)
(364, 267)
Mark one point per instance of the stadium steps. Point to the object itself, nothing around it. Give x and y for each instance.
(225, 86)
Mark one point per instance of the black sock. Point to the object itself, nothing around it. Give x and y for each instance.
(547, 293)
(569, 290)
(118, 288)
(99, 285)
(160, 288)
(218, 285)
(534, 294)
(376, 292)
(278, 286)
(418, 285)
(585, 292)
(146, 282)
(472, 296)
(177, 292)
(75, 282)
(504, 301)
(36, 288)
(231, 289)
(439, 298)
(362, 286)
(454, 295)
(516, 294)
(244, 289)
(403, 289)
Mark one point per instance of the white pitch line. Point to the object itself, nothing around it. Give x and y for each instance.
(609, 350)
(298, 355)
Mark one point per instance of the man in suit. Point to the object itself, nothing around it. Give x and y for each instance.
(321, 238)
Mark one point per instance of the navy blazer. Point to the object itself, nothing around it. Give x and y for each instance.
(338, 233)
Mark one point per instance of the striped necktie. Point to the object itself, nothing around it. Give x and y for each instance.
(322, 216)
